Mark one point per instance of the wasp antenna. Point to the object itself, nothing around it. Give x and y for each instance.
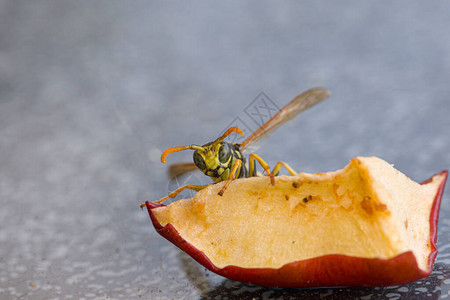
(227, 133)
(178, 148)
(231, 130)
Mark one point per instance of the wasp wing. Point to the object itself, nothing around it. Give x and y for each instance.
(297, 105)
(179, 169)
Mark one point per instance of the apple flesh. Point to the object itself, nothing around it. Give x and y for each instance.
(364, 225)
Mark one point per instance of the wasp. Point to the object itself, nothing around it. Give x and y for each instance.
(224, 161)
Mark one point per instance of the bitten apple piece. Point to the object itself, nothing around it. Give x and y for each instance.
(367, 216)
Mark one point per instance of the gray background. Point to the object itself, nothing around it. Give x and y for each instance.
(91, 92)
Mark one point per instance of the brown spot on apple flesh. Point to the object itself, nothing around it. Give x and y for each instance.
(297, 184)
(366, 204)
(370, 206)
(380, 207)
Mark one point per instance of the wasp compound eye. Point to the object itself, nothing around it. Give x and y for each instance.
(224, 153)
(199, 161)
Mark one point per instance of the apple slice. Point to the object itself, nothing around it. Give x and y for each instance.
(364, 225)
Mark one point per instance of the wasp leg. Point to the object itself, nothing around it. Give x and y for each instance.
(232, 175)
(180, 189)
(278, 166)
(251, 166)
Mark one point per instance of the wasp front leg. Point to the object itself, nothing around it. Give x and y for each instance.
(180, 189)
(251, 166)
(234, 170)
(278, 166)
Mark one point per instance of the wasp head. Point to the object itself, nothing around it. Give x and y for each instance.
(212, 158)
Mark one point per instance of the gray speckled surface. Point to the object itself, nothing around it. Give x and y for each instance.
(91, 92)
